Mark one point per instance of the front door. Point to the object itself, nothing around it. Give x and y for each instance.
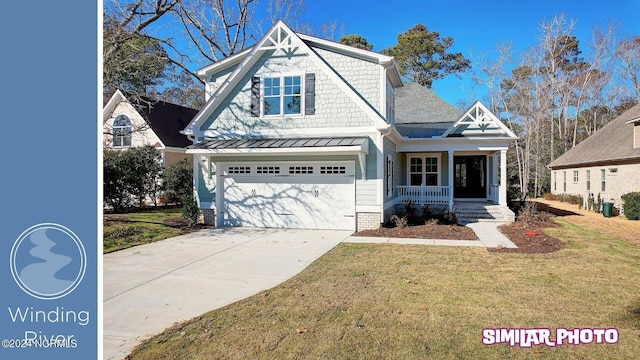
(470, 177)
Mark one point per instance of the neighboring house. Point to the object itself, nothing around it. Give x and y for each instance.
(124, 126)
(302, 132)
(605, 163)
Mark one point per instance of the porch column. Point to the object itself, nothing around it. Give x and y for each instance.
(503, 178)
(494, 177)
(450, 167)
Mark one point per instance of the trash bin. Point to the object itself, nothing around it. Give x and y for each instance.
(607, 209)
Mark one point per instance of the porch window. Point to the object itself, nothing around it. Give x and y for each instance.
(423, 171)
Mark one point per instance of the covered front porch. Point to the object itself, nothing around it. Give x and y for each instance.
(445, 177)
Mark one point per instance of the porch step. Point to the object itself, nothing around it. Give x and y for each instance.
(468, 213)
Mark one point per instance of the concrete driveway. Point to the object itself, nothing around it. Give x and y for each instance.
(150, 287)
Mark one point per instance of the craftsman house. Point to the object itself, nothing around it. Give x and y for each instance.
(302, 132)
(606, 163)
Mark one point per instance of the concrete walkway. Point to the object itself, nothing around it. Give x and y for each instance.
(148, 288)
(490, 236)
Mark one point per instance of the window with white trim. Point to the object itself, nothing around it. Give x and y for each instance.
(122, 131)
(575, 176)
(424, 170)
(564, 181)
(603, 180)
(588, 180)
(282, 96)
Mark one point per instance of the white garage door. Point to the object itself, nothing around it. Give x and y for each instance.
(313, 195)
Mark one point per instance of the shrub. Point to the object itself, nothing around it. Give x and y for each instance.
(399, 222)
(190, 210)
(631, 205)
(177, 180)
(528, 213)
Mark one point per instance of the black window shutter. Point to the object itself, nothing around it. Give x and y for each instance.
(255, 96)
(310, 94)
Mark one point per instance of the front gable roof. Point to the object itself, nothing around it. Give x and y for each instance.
(279, 38)
(612, 143)
(165, 119)
(478, 121)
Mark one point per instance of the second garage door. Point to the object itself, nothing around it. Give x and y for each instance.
(313, 195)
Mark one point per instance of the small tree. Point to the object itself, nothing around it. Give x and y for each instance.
(178, 180)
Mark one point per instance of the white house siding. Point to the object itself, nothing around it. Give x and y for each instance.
(626, 179)
(142, 133)
(334, 108)
(362, 75)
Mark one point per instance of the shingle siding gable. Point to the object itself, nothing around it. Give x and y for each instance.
(333, 108)
(362, 75)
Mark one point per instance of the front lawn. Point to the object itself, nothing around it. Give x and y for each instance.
(123, 231)
(386, 301)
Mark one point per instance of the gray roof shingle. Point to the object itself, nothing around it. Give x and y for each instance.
(416, 104)
(612, 143)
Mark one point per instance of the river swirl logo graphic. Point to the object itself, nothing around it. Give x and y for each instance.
(48, 261)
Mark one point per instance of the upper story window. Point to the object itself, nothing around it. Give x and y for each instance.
(282, 96)
(122, 131)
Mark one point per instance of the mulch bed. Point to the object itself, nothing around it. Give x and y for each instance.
(529, 237)
(429, 230)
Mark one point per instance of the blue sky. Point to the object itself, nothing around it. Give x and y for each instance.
(476, 26)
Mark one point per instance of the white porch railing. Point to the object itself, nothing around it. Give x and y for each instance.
(423, 195)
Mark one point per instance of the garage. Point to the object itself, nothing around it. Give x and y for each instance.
(304, 195)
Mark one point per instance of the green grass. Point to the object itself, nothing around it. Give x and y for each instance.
(139, 228)
(388, 301)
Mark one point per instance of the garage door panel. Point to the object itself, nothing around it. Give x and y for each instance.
(324, 201)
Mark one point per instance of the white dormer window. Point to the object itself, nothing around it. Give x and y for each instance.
(282, 96)
(122, 131)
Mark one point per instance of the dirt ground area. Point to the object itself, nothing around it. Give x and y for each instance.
(430, 230)
(529, 236)
(617, 226)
